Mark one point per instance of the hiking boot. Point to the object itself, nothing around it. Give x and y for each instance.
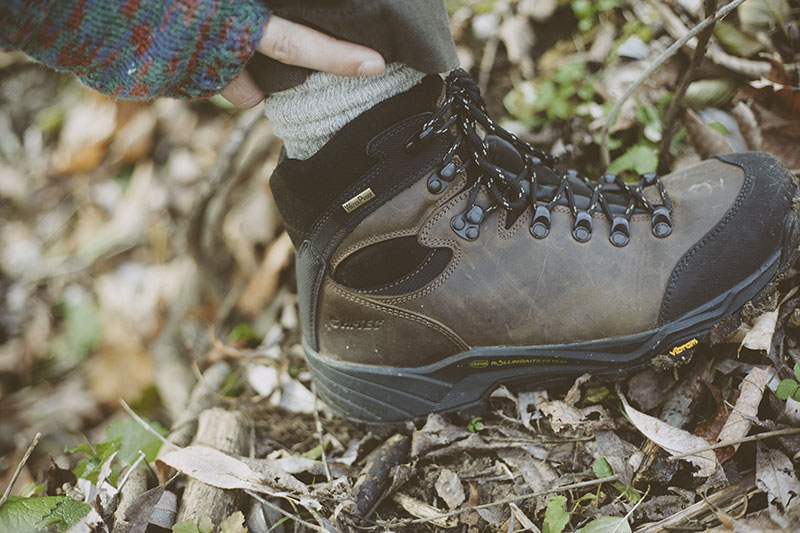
(435, 263)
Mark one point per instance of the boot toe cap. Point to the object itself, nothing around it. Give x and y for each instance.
(757, 233)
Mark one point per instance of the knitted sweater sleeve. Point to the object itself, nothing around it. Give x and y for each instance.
(138, 49)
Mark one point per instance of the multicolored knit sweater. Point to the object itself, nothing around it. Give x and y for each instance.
(138, 48)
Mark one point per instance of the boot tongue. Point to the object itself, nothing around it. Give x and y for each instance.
(503, 154)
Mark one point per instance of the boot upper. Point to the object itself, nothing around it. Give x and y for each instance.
(387, 276)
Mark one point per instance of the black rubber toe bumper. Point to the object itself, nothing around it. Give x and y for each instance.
(759, 223)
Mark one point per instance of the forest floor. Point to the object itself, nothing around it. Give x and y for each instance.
(148, 307)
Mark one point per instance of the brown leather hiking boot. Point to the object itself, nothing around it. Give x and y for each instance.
(434, 264)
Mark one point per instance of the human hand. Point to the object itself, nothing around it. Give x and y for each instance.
(295, 44)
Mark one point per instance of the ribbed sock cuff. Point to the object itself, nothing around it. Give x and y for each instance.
(308, 115)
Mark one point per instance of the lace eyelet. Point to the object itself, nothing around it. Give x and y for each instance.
(620, 232)
(648, 178)
(540, 226)
(582, 228)
(661, 222)
(439, 180)
(467, 225)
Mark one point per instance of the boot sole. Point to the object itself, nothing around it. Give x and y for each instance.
(381, 394)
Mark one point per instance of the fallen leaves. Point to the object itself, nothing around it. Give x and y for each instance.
(751, 390)
(674, 441)
(224, 471)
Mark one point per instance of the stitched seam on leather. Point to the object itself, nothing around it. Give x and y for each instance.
(404, 278)
(449, 243)
(449, 335)
(340, 256)
(684, 262)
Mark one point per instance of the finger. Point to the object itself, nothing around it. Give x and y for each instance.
(294, 44)
(243, 91)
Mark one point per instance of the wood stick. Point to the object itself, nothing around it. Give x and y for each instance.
(751, 438)
(202, 397)
(228, 432)
(135, 485)
(20, 466)
(666, 54)
(718, 498)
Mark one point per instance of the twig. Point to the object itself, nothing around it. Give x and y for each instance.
(513, 499)
(666, 54)
(133, 467)
(278, 508)
(20, 466)
(318, 425)
(147, 426)
(680, 90)
(751, 438)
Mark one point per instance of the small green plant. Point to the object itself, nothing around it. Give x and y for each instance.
(233, 524)
(790, 388)
(587, 11)
(475, 424)
(603, 469)
(554, 98)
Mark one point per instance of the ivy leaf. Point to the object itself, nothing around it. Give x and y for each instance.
(30, 515)
(797, 371)
(556, 517)
(132, 438)
(786, 388)
(233, 524)
(607, 524)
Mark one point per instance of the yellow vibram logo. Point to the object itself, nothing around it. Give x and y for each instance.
(683, 347)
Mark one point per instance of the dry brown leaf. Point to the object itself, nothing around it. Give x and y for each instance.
(263, 285)
(225, 471)
(760, 335)
(775, 476)
(565, 419)
(751, 390)
(706, 141)
(422, 510)
(449, 488)
(674, 441)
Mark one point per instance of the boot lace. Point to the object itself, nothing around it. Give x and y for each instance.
(464, 108)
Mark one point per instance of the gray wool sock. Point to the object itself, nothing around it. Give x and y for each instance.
(308, 115)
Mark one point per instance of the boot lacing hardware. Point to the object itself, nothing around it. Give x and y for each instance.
(464, 108)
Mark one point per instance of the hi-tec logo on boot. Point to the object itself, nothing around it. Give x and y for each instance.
(358, 200)
(347, 323)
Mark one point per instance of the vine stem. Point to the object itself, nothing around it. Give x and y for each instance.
(666, 54)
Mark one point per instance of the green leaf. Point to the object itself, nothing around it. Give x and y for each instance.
(133, 437)
(556, 517)
(639, 158)
(710, 93)
(629, 493)
(607, 524)
(185, 527)
(786, 388)
(245, 333)
(205, 525)
(797, 371)
(475, 424)
(29, 515)
(736, 41)
(98, 454)
(233, 524)
(596, 394)
(80, 333)
(602, 468)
